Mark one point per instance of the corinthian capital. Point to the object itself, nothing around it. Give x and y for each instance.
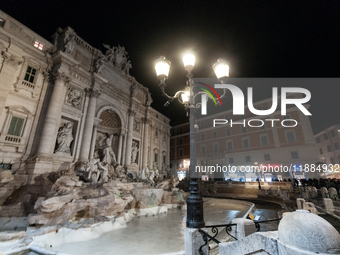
(131, 112)
(61, 76)
(92, 93)
(11, 60)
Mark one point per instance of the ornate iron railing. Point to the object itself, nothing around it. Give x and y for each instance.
(258, 226)
(214, 229)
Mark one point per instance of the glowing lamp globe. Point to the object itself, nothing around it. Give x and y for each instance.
(189, 61)
(162, 66)
(185, 96)
(221, 68)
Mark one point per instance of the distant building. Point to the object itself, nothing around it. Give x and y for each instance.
(243, 147)
(328, 146)
(180, 151)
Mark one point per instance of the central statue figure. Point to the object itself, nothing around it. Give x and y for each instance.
(109, 155)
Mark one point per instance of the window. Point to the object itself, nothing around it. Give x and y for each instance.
(156, 157)
(286, 118)
(180, 141)
(164, 159)
(229, 145)
(290, 137)
(2, 22)
(245, 143)
(248, 159)
(214, 134)
(156, 132)
(332, 160)
(203, 149)
(180, 130)
(180, 153)
(332, 133)
(267, 157)
(231, 160)
(15, 126)
(228, 132)
(294, 154)
(325, 136)
(318, 140)
(30, 74)
(177, 165)
(244, 129)
(320, 151)
(336, 146)
(215, 147)
(202, 137)
(329, 148)
(263, 126)
(264, 140)
(38, 45)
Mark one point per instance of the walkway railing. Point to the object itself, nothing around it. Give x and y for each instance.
(258, 226)
(228, 227)
(214, 229)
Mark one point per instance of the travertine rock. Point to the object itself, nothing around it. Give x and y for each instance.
(9, 183)
(10, 235)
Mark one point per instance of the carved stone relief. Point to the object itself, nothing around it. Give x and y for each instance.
(74, 97)
(136, 124)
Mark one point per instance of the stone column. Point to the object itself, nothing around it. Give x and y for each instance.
(129, 137)
(80, 137)
(123, 150)
(145, 144)
(48, 134)
(93, 142)
(87, 135)
(120, 144)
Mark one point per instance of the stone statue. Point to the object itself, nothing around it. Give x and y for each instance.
(143, 174)
(104, 172)
(110, 54)
(69, 41)
(134, 87)
(92, 168)
(97, 169)
(136, 124)
(150, 178)
(109, 155)
(148, 99)
(120, 56)
(134, 152)
(100, 61)
(127, 67)
(64, 138)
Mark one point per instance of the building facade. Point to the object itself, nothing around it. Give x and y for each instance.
(180, 151)
(328, 145)
(65, 102)
(253, 143)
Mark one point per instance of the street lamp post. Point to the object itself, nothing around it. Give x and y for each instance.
(187, 97)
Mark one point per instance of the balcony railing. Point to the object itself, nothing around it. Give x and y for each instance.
(28, 86)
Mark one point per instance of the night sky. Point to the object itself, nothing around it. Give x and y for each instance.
(258, 38)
